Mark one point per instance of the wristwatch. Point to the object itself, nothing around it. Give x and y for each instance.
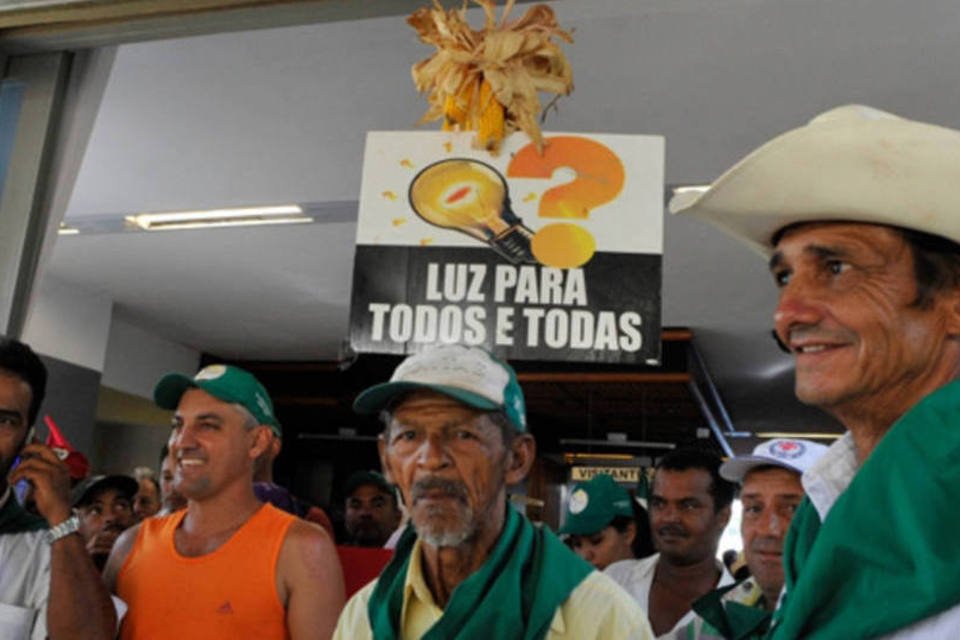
(65, 528)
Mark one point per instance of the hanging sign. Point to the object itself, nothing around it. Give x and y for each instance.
(629, 475)
(536, 257)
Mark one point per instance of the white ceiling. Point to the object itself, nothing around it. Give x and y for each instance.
(279, 115)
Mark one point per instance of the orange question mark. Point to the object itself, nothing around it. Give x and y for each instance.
(600, 178)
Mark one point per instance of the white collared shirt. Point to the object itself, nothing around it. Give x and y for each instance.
(636, 577)
(824, 483)
(24, 582)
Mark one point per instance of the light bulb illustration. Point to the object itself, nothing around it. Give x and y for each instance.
(471, 197)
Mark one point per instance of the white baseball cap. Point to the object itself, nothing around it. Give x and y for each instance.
(470, 375)
(795, 455)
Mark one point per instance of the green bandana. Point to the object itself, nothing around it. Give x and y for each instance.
(888, 554)
(514, 595)
(729, 619)
(16, 519)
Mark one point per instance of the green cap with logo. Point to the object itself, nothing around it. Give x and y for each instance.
(224, 382)
(594, 504)
(470, 375)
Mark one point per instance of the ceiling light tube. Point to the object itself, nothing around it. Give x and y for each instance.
(576, 455)
(633, 444)
(213, 224)
(219, 217)
(801, 435)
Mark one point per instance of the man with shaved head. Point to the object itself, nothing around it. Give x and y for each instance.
(858, 215)
(227, 566)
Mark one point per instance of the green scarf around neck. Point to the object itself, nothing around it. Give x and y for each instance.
(514, 595)
(16, 519)
(888, 553)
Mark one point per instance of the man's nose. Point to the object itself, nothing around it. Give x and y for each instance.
(432, 453)
(182, 438)
(800, 305)
(667, 513)
(771, 525)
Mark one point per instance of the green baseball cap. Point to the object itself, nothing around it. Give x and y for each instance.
(224, 382)
(594, 504)
(470, 375)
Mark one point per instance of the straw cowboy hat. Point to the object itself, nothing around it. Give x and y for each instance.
(852, 163)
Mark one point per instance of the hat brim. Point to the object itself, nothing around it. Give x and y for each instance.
(378, 397)
(850, 164)
(736, 469)
(364, 479)
(124, 484)
(585, 526)
(170, 389)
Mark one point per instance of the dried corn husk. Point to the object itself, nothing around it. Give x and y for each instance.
(489, 80)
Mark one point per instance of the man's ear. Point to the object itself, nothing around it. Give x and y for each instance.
(523, 450)
(262, 441)
(953, 312)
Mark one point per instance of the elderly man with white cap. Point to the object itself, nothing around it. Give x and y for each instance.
(770, 491)
(859, 216)
(471, 567)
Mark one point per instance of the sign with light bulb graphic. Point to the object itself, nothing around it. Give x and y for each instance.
(536, 256)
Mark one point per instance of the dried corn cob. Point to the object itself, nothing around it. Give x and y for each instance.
(488, 80)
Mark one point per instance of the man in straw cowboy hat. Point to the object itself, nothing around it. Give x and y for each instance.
(858, 214)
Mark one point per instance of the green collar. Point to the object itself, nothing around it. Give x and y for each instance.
(731, 619)
(513, 596)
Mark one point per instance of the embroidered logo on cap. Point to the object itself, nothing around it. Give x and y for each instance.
(578, 501)
(211, 372)
(787, 449)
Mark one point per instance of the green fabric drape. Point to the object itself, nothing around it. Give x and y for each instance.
(514, 595)
(888, 553)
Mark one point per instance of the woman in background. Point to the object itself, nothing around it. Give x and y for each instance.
(605, 524)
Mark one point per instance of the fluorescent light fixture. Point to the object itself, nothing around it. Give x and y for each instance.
(211, 218)
(577, 456)
(630, 444)
(65, 230)
(798, 434)
(696, 189)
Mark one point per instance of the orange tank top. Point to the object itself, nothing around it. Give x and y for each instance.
(230, 593)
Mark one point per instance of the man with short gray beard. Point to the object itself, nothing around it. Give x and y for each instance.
(469, 566)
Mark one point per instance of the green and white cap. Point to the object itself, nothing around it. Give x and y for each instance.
(224, 382)
(470, 375)
(594, 504)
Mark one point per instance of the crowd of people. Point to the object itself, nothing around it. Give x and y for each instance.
(855, 213)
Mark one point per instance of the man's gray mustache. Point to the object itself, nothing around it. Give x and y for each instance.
(448, 488)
